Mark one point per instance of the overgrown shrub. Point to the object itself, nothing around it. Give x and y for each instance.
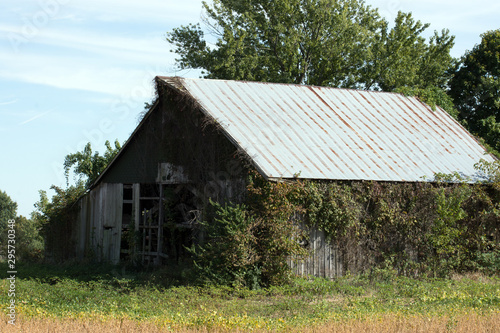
(247, 245)
(279, 234)
(228, 255)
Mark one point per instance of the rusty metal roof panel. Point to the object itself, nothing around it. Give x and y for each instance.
(297, 131)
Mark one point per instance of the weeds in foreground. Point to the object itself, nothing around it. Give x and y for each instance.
(107, 298)
(388, 323)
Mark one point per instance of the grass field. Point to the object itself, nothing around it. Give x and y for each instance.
(387, 323)
(106, 299)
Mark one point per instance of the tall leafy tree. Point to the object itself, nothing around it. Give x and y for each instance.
(402, 57)
(291, 41)
(89, 165)
(475, 88)
(342, 43)
(28, 241)
(8, 211)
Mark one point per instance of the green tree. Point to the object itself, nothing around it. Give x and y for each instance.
(29, 241)
(475, 89)
(8, 208)
(89, 165)
(57, 219)
(341, 43)
(401, 57)
(8, 211)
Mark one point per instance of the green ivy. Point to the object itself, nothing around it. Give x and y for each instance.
(413, 229)
(417, 228)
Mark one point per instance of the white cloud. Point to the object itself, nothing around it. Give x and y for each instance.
(111, 10)
(148, 10)
(72, 74)
(69, 17)
(143, 48)
(9, 102)
(77, 59)
(34, 118)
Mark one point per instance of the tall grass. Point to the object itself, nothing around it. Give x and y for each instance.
(104, 298)
(388, 323)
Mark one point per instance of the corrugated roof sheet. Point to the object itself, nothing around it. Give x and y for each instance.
(297, 131)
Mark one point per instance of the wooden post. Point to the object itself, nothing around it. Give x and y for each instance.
(136, 206)
(160, 227)
(144, 224)
(150, 233)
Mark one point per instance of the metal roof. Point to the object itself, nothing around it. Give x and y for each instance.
(297, 131)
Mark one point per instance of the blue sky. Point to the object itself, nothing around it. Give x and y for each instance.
(74, 71)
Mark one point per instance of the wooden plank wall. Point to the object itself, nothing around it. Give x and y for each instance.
(82, 228)
(100, 223)
(99, 230)
(324, 260)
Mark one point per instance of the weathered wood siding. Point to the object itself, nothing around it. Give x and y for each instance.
(100, 223)
(324, 260)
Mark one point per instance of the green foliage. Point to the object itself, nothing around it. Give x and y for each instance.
(401, 57)
(292, 41)
(29, 242)
(491, 132)
(491, 170)
(106, 293)
(88, 165)
(444, 234)
(330, 207)
(475, 88)
(408, 228)
(57, 218)
(432, 96)
(8, 211)
(317, 42)
(447, 235)
(228, 255)
(248, 246)
(278, 233)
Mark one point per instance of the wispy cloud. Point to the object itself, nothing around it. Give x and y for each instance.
(146, 10)
(62, 73)
(9, 102)
(124, 10)
(33, 118)
(85, 61)
(139, 48)
(69, 17)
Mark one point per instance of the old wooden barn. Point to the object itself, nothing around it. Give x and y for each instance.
(201, 136)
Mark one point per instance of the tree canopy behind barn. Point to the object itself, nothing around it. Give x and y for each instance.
(342, 43)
